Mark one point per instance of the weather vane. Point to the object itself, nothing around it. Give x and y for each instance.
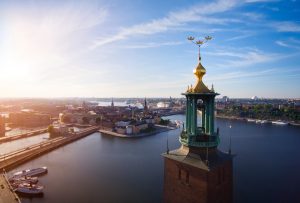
(199, 43)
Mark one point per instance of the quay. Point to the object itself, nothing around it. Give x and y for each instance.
(158, 129)
(7, 195)
(23, 135)
(10, 160)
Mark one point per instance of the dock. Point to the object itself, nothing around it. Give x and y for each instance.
(7, 195)
(10, 160)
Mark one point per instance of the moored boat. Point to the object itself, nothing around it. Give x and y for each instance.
(24, 179)
(31, 172)
(29, 189)
(279, 123)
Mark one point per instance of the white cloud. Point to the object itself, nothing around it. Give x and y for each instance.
(153, 45)
(286, 26)
(197, 13)
(258, 1)
(244, 57)
(288, 43)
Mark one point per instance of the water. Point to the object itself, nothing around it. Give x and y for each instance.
(101, 168)
(22, 143)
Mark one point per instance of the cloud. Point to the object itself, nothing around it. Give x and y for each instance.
(197, 13)
(286, 26)
(289, 43)
(239, 75)
(153, 45)
(245, 57)
(259, 1)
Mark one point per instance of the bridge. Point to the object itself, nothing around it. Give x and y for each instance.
(23, 135)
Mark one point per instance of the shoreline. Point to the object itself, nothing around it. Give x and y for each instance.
(255, 120)
(158, 129)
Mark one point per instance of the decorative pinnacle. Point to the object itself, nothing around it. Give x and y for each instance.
(199, 43)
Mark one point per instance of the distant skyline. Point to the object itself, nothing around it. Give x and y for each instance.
(135, 48)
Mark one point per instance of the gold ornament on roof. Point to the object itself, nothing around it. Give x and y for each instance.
(199, 71)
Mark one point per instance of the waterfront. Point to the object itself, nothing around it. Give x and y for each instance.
(109, 169)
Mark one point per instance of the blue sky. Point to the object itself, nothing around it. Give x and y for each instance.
(138, 48)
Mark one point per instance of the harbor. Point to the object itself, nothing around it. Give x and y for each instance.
(13, 159)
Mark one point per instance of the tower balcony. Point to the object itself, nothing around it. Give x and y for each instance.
(199, 140)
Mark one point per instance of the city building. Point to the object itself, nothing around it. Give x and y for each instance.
(198, 172)
(2, 126)
(29, 118)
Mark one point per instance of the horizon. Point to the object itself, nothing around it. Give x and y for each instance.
(105, 49)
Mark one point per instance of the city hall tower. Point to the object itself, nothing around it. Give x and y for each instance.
(198, 172)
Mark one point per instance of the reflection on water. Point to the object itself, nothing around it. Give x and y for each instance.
(101, 168)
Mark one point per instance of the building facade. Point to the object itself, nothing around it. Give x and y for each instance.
(2, 126)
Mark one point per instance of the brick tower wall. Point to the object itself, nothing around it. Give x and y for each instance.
(184, 183)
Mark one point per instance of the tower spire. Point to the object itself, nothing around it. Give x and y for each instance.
(199, 43)
(199, 71)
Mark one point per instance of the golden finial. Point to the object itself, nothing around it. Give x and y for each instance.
(199, 71)
(199, 43)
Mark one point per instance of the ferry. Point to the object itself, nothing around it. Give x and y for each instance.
(31, 172)
(279, 123)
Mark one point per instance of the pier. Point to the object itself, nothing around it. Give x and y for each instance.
(23, 135)
(7, 195)
(10, 160)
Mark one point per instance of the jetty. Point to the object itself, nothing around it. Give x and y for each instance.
(7, 194)
(10, 160)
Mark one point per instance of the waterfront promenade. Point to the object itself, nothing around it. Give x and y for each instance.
(7, 195)
(10, 160)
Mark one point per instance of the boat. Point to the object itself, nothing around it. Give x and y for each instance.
(29, 190)
(279, 123)
(31, 172)
(264, 122)
(24, 179)
(251, 120)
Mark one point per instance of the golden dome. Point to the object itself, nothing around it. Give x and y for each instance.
(199, 87)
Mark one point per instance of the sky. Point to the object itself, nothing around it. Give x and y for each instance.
(139, 48)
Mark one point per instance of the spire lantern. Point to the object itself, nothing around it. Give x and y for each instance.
(200, 98)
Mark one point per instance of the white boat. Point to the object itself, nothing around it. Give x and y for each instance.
(28, 189)
(24, 179)
(279, 123)
(264, 122)
(31, 172)
(251, 120)
(258, 121)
